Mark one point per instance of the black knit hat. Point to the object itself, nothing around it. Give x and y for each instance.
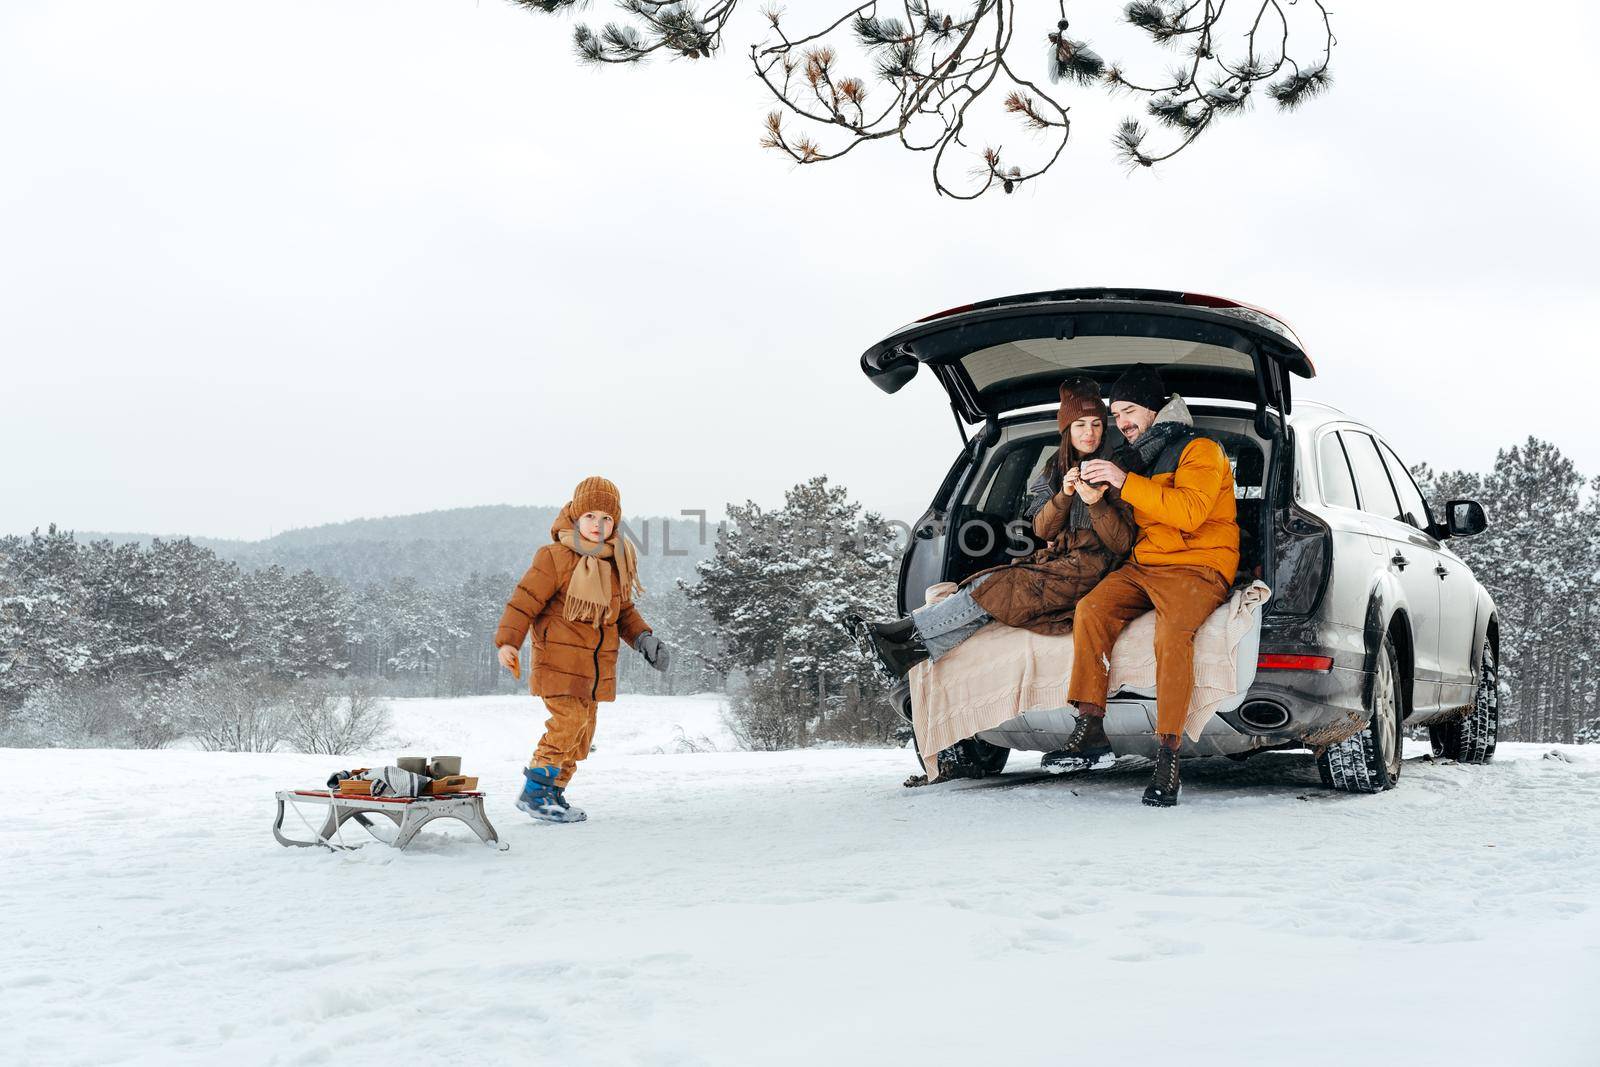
(1141, 385)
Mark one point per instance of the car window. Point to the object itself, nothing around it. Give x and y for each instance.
(1245, 459)
(1412, 505)
(1006, 492)
(1249, 466)
(1333, 472)
(1372, 481)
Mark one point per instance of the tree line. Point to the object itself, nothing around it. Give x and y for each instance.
(102, 641)
(1540, 560)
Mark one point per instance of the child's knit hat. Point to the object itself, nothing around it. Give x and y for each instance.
(597, 494)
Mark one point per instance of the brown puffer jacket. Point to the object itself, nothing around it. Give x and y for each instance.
(569, 658)
(1041, 592)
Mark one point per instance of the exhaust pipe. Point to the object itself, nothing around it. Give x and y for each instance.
(1264, 715)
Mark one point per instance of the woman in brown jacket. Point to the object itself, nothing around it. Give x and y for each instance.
(1089, 533)
(577, 601)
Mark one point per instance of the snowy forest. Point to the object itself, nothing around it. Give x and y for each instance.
(140, 643)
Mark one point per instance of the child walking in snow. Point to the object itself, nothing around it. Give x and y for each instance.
(577, 599)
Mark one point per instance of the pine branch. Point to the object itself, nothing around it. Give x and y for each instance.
(1073, 60)
(1299, 87)
(939, 70)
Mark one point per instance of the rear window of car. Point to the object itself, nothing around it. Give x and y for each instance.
(1372, 481)
(1333, 473)
(1048, 358)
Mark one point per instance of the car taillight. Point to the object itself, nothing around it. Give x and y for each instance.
(1277, 661)
(947, 311)
(1302, 562)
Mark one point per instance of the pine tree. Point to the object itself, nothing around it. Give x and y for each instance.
(1530, 560)
(1587, 668)
(51, 634)
(779, 587)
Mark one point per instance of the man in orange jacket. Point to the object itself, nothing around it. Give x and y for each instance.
(1183, 566)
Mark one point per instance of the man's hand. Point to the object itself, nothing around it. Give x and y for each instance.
(653, 651)
(508, 660)
(1103, 470)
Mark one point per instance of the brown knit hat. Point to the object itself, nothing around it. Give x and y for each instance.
(597, 494)
(1080, 398)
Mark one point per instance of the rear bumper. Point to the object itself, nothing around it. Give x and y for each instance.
(1324, 707)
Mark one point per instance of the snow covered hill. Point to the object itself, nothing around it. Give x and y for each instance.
(726, 907)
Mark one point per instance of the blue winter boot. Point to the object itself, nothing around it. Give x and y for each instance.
(545, 800)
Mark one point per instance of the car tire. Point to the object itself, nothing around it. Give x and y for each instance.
(978, 756)
(1370, 761)
(971, 758)
(1471, 739)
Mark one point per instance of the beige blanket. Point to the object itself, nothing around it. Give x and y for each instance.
(1000, 672)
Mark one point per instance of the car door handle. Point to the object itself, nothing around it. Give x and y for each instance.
(1398, 560)
(1440, 571)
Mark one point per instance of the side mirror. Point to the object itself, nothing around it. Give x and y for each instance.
(1463, 518)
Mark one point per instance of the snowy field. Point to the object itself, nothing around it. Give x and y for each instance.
(736, 908)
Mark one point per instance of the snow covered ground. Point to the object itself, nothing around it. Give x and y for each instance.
(735, 908)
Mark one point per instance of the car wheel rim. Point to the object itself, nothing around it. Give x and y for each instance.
(1385, 718)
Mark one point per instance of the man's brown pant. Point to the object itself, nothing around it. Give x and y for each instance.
(1182, 597)
(567, 734)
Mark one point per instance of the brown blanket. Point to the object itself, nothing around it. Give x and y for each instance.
(1000, 672)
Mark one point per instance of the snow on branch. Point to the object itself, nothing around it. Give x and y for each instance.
(919, 76)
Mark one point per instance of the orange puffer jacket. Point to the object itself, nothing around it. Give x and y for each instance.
(1188, 516)
(569, 658)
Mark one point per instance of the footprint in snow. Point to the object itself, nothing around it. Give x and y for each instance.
(1159, 951)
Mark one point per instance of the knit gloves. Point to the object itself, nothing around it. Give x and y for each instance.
(653, 651)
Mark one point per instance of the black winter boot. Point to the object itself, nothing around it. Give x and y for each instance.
(897, 645)
(1087, 746)
(1162, 791)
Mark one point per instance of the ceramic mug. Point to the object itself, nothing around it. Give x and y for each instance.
(414, 764)
(444, 766)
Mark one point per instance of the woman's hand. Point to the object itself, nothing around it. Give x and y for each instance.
(1070, 481)
(508, 660)
(1090, 494)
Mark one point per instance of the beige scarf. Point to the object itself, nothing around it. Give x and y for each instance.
(589, 588)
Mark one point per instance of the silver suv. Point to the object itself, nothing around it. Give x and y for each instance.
(1374, 624)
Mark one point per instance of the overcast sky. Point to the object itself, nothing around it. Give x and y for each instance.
(268, 266)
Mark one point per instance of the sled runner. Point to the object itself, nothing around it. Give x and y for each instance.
(409, 815)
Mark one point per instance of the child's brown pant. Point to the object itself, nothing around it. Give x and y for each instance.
(1183, 597)
(567, 734)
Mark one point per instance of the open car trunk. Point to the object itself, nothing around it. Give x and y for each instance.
(1011, 353)
(1002, 356)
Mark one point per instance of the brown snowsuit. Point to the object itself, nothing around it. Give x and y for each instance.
(573, 666)
(1041, 592)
